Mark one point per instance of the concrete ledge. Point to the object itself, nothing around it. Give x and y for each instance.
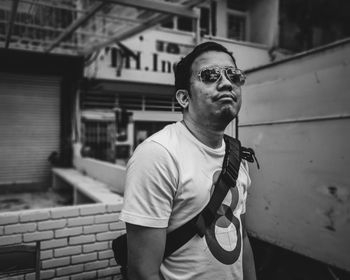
(111, 174)
(84, 186)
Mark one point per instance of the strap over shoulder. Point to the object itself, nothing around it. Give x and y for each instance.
(247, 154)
(232, 160)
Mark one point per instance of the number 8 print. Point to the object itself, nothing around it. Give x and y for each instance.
(223, 219)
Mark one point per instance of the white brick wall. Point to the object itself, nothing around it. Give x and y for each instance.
(37, 236)
(75, 240)
(10, 239)
(9, 218)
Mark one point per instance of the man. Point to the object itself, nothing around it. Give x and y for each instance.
(171, 176)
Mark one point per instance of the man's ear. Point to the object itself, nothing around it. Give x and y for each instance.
(182, 97)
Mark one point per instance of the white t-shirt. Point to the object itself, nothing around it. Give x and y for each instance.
(170, 178)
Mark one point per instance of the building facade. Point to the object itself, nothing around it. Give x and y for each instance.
(136, 76)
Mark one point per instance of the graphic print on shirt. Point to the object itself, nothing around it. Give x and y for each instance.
(224, 234)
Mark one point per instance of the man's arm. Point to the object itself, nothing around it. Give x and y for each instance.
(248, 257)
(145, 251)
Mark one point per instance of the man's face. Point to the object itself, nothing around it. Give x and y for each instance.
(213, 102)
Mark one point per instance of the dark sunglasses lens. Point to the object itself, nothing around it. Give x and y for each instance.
(236, 77)
(210, 75)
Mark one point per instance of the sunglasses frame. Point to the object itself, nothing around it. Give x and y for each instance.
(223, 69)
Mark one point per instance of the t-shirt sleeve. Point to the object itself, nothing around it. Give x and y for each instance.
(150, 186)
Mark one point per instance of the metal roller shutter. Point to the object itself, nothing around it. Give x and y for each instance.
(29, 127)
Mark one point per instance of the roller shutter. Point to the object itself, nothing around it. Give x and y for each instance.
(29, 127)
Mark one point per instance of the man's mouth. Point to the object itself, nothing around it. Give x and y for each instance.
(227, 96)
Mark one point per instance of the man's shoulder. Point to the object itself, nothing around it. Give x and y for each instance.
(159, 146)
(168, 137)
(164, 133)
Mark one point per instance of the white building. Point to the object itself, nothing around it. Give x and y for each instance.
(137, 75)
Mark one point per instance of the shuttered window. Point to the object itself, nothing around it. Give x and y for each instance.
(29, 127)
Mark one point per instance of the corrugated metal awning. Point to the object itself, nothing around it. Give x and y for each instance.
(80, 27)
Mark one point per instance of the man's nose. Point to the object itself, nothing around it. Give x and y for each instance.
(225, 83)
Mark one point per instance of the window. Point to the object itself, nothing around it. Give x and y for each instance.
(168, 24)
(98, 139)
(185, 24)
(238, 5)
(236, 28)
(179, 23)
(306, 24)
(237, 19)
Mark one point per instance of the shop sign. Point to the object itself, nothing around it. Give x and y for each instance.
(114, 63)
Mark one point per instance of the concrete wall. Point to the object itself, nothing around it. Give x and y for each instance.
(75, 241)
(112, 175)
(296, 116)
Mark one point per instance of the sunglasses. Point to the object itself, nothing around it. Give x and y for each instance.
(211, 75)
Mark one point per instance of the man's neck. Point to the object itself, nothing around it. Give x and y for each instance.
(208, 135)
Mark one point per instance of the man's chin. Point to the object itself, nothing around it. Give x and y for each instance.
(228, 114)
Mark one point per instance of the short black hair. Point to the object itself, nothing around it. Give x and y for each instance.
(183, 68)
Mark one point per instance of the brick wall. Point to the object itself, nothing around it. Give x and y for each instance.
(75, 240)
